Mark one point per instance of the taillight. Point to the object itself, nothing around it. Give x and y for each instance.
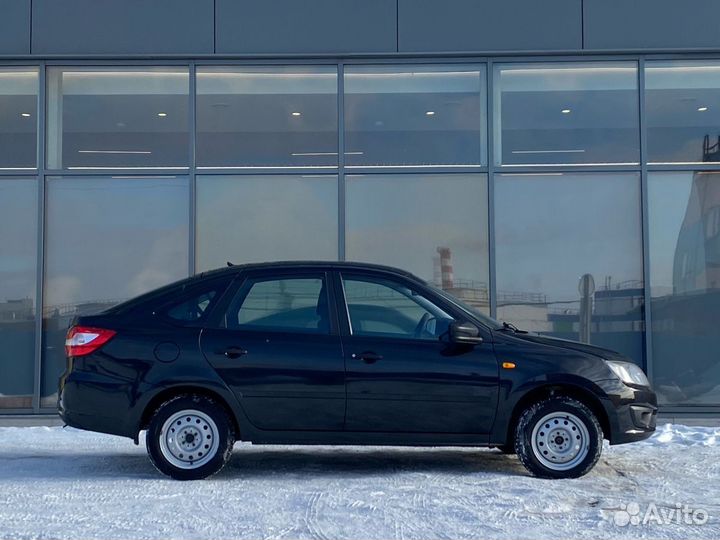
(83, 340)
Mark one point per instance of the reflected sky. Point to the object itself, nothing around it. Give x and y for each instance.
(114, 238)
(265, 218)
(553, 228)
(401, 220)
(18, 238)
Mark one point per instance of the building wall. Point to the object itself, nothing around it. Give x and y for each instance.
(251, 27)
(521, 144)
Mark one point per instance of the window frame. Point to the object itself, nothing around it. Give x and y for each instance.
(219, 311)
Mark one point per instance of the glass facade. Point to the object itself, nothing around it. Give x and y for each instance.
(682, 111)
(422, 222)
(684, 211)
(18, 118)
(117, 118)
(414, 115)
(18, 279)
(267, 117)
(256, 218)
(107, 239)
(566, 113)
(555, 231)
(573, 197)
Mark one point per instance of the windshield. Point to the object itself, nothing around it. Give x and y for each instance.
(475, 312)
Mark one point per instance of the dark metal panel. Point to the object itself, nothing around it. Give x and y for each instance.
(14, 26)
(489, 25)
(308, 26)
(651, 24)
(122, 26)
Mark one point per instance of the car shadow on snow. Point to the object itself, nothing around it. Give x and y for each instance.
(268, 462)
(258, 461)
(80, 466)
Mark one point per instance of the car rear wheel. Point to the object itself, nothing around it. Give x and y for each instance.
(190, 437)
(558, 437)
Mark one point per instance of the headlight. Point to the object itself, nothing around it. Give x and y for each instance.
(628, 373)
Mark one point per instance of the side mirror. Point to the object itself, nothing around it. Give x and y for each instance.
(465, 333)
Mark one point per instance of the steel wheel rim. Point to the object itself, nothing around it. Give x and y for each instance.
(560, 441)
(189, 439)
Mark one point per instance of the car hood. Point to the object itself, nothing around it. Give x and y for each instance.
(600, 352)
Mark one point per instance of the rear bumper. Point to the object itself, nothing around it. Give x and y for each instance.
(631, 412)
(96, 402)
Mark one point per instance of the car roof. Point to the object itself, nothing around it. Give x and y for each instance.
(300, 265)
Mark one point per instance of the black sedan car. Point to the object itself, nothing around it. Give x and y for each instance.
(340, 353)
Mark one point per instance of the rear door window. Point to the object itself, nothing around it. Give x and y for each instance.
(281, 304)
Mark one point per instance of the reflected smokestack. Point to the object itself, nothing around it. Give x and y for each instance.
(437, 273)
(447, 279)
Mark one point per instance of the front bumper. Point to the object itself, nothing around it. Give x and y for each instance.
(631, 412)
(636, 422)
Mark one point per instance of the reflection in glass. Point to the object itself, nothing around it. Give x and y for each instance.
(118, 118)
(18, 263)
(419, 115)
(107, 240)
(552, 230)
(265, 218)
(18, 118)
(684, 212)
(432, 225)
(682, 107)
(566, 113)
(267, 117)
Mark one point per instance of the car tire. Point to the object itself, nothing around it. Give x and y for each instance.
(190, 437)
(558, 437)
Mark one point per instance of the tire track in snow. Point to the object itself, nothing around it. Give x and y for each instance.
(312, 515)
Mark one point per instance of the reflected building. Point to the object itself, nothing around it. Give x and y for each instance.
(697, 253)
(685, 321)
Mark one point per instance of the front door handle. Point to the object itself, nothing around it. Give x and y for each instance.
(233, 352)
(369, 357)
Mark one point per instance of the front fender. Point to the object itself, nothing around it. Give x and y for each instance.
(514, 391)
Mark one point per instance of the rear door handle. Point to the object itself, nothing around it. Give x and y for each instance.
(369, 357)
(233, 352)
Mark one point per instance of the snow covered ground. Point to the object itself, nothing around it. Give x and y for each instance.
(64, 483)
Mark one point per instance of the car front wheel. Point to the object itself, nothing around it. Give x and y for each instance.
(190, 437)
(558, 437)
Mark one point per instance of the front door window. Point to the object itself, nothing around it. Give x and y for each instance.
(384, 308)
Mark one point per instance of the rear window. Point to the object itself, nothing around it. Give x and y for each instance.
(192, 309)
(194, 303)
